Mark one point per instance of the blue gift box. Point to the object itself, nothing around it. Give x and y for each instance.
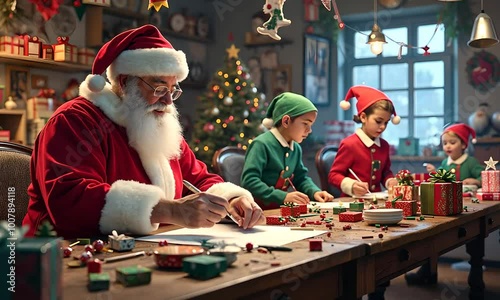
(408, 147)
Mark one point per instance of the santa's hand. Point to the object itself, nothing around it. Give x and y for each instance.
(323, 196)
(297, 197)
(246, 212)
(198, 210)
(359, 188)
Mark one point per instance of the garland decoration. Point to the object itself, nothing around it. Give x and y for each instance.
(483, 71)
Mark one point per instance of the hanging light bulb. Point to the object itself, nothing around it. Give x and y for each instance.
(376, 39)
(483, 32)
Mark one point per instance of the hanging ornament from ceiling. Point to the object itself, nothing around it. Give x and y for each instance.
(47, 8)
(274, 8)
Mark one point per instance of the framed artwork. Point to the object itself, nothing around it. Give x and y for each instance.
(281, 80)
(39, 81)
(317, 55)
(17, 80)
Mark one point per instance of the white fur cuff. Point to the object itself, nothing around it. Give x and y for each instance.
(346, 185)
(229, 190)
(128, 207)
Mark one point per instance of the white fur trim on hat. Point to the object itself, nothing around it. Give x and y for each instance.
(229, 190)
(149, 62)
(128, 207)
(345, 105)
(268, 123)
(396, 120)
(95, 83)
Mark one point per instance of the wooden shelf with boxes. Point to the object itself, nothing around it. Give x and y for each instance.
(14, 121)
(34, 62)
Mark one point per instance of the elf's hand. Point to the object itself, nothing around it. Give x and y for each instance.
(323, 196)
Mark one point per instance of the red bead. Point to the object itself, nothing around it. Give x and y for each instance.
(380, 235)
(98, 246)
(163, 243)
(67, 251)
(322, 216)
(249, 247)
(89, 248)
(329, 234)
(85, 256)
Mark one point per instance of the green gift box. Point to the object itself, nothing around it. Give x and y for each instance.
(338, 210)
(133, 275)
(204, 266)
(356, 206)
(33, 267)
(98, 282)
(441, 198)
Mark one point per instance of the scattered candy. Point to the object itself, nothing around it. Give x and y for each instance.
(67, 251)
(303, 225)
(380, 235)
(98, 246)
(249, 247)
(422, 218)
(85, 256)
(163, 243)
(89, 248)
(329, 234)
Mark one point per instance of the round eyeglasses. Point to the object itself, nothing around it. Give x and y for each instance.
(162, 90)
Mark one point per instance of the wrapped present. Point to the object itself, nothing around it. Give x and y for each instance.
(97, 2)
(356, 206)
(64, 51)
(275, 220)
(290, 209)
(48, 52)
(410, 208)
(490, 181)
(39, 107)
(303, 208)
(121, 242)
(408, 147)
(488, 196)
(404, 192)
(339, 209)
(133, 275)
(351, 216)
(98, 282)
(12, 45)
(86, 56)
(315, 244)
(204, 266)
(32, 46)
(442, 195)
(311, 10)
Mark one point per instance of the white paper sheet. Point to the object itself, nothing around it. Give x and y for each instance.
(329, 205)
(378, 195)
(259, 235)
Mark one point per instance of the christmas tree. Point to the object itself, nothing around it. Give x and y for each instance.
(230, 112)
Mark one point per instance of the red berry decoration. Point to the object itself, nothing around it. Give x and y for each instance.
(163, 243)
(98, 246)
(322, 216)
(380, 235)
(85, 256)
(303, 225)
(89, 248)
(67, 251)
(329, 234)
(249, 247)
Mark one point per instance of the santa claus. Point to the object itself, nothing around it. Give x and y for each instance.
(114, 158)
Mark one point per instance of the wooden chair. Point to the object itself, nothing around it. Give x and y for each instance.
(14, 180)
(228, 163)
(324, 160)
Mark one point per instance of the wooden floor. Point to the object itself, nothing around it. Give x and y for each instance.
(452, 285)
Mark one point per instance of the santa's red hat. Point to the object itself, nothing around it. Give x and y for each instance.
(141, 51)
(463, 132)
(366, 96)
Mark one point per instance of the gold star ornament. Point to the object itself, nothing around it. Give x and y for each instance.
(157, 4)
(232, 51)
(490, 164)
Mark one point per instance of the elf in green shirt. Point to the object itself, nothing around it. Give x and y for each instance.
(273, 161)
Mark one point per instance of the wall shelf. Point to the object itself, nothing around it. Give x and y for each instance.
(34, 62)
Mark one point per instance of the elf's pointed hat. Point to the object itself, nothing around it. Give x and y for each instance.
(141, 51)
(366, 96)
(463, 131)
(287, 104)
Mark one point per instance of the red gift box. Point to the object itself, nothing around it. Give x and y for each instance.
(409, 208)
(275, 220)
(405, 192)
(288, 210)
(311, 10)
(303, 208)
(64, 51)
(490, 181)
(488, 196)
(48, 52)
(12, 45)
(315, 245)
(351, 216)
(86, 56)
(32, 46)
(441, 198)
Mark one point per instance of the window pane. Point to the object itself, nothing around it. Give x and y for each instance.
(429, 130)
(361, 49)
(391, 49)
(394, 76)
(429, 74)
(425, 33)
(429, 102)
(367, 75)
(400, 100)
(393, 132)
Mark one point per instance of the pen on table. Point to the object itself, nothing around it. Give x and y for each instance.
(195, 190)
(124, 256)
(276, 248)
(357, 178)
(302, 228)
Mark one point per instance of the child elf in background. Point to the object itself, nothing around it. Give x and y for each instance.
(365, 152)
(455, 140)
(273, 161)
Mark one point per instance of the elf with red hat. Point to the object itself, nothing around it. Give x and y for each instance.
(114, 158)
(455, 140)
(365, 152)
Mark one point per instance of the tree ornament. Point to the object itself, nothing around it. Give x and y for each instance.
(208, 127)
(228, 101)
(157, 4)
(245, 114)
(215, 111)
(276, 19)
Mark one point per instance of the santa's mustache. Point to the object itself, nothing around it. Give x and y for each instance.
(157, 107)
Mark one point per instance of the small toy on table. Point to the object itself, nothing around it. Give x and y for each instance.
(133, 275)
(98, 282)
(204, 267)
(121, 242)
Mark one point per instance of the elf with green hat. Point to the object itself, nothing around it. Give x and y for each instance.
(273, 162)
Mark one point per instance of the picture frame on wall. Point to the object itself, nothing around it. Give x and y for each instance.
(281, 80)
(317, 56)
(17, 82)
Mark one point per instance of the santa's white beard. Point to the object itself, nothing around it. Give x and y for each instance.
(151, 135)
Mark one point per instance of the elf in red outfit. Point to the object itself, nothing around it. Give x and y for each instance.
(365, 152)
(114, 158)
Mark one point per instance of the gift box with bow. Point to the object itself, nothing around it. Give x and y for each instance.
(64, 51)
(441, 195)
(290, 209)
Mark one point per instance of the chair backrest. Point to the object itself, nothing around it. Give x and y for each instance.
(14, 181)
(324, 160)
(228, 163)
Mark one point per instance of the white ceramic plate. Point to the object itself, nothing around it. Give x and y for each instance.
(383, 211)
(383, 222)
